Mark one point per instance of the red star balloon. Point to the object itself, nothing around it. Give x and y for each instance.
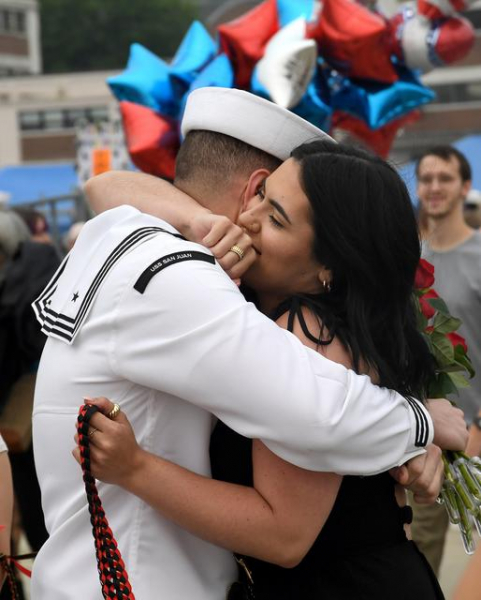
(152, 140)
(455, 40)
(351, 39)
(244, 39)
(379, 140)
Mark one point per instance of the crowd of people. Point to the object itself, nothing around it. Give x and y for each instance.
(276, 425)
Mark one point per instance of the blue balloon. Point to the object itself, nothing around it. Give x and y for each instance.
(145, 71)
(377, 104)
(256, 86)
(315, 104)
(289, 10)
(218, 73)
(314, 108)
(196, 51)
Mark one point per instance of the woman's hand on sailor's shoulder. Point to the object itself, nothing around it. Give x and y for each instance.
(220, 235)
(114, 452)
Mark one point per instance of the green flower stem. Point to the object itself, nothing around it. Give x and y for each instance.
(465, 527)
(448, 494)
(475, 474)
(471, 483)
(447, 468)
(477, 522)
(465, 496)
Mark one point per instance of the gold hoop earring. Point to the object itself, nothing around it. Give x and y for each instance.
(326, 286)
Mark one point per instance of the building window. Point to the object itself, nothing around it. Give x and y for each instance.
(458, 92)
(31, 120)
(61, 118)
(12, 22)
(474, 16)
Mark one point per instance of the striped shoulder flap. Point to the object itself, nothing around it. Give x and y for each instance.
(65, 303)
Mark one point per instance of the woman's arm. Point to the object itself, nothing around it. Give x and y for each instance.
(277, 520)
(161, 199)
(147, 193)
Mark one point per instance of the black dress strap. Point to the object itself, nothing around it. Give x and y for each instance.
(295, 306)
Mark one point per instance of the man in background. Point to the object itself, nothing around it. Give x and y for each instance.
(454, 248)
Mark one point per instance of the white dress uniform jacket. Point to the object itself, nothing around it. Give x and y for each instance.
(133, 315)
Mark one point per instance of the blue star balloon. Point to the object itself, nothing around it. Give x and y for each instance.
(196, 50)
(289, 10)
(256, 87)
(378, 104)
(315, 104)
(218, 73)
(145, 71)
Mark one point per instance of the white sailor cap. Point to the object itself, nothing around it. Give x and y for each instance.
(251, 119)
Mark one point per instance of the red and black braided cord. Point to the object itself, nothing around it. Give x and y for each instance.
(114, 579)
(10, 576)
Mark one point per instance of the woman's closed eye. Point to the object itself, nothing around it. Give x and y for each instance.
(275, 222)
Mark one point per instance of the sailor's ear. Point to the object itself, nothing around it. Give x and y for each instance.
(255, 181)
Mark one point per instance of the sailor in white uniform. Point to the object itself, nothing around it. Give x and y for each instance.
(142, 316)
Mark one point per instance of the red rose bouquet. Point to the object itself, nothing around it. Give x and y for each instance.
(461, 492)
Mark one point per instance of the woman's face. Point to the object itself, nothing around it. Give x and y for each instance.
(278, 219)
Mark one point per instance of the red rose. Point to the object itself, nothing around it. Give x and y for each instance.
(457, 340)
(427, 310)
(424, 277)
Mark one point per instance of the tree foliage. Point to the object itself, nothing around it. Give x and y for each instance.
(91, 35)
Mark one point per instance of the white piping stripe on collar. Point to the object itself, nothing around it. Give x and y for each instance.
(64, 327)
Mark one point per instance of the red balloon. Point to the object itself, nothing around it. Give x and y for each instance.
(245, 38)
(437, 9)
(394, 40)
(447, 39)
(352, 39)
(429, 10)
(456, 38)
(379, 140)
(152, 140)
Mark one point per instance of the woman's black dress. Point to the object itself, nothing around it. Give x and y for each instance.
(361, 553)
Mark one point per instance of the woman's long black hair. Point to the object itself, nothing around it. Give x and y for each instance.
(366, 234)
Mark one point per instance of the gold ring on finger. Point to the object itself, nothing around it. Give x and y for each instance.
(237, 250)
(114, 413)
(92, 430)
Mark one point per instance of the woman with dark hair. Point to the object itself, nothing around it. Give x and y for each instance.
(337, 251)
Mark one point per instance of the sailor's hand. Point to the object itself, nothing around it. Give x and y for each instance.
(114, 452)
(422, 475)
(450, 432)
(228, 242)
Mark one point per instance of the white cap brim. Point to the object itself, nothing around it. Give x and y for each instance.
(248, 118)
